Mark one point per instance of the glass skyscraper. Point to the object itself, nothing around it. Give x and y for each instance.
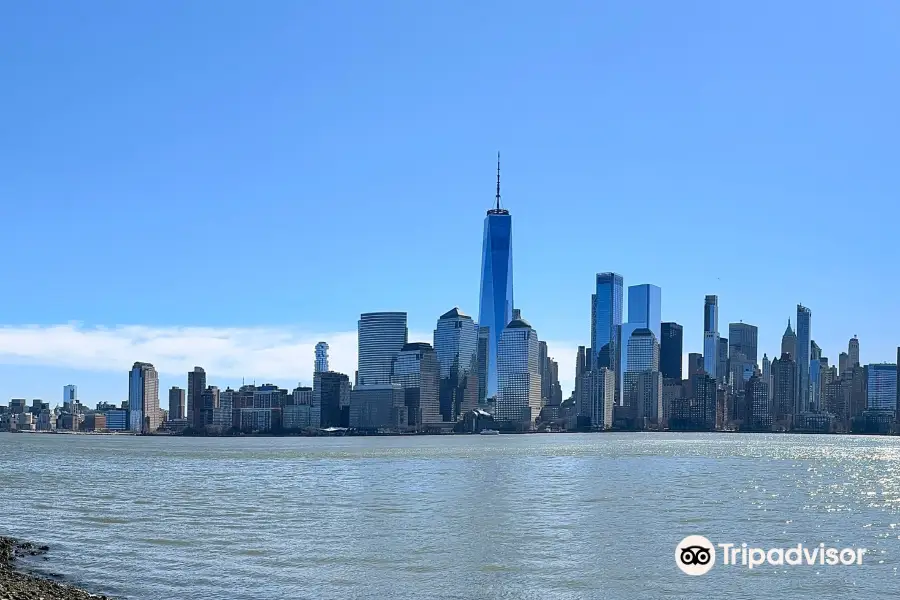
(381, 337)
(519, 373)
(742, 339)
(496, 296)
(881, 388)
(607, 314)
(804, 325)
(456, 345)
(671, 348)
(645, 306)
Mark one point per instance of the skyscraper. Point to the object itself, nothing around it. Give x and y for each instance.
(519, 392)
(645, 306)
(381, 336)
(607, 311)
(804, 326)
(711, 335)
(331, 397)
(789, 342)
(695, 364)
(143, 398)
(544, 362)
(642, 385)
(784, 394)
(742, 339)
(881, 387)
(853, 352)
(321, 364)
(843, 363)
(417, 371)
(671, 349)
(496, 296)
(767, 374)
(70, 395)
(722, 361)
(456, 346)
(176, 403)
(196, 387)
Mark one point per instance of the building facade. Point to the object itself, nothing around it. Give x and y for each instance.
(606, 322)
(381, 337)
(176, 403)
(456, 346)
(519, 393)
(331, 392)
(743, 340)
(143, 398)
(196, 386)
(321, 364)
(881, 387)
(804, 339)
(711, 335)
(417, 371)
(374, 407)
(671, 351)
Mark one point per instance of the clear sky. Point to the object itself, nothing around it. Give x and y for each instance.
(224, 183)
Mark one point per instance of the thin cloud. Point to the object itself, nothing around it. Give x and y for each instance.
(278, 353)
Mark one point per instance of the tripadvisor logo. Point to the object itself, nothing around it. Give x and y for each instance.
(696, 555)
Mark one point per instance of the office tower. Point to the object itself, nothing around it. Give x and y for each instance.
(858, 391)
(696, 411)
(711, 335)
(804, 325)
(143, 398)
(742, 339)
(209, 402)
(381, 336)
(671, 350)
(321, 364)
(456, 345)
(815, 353)
(843, 363)
(881, 387)
(740, 370)
(417, 371)
(695, 364)
(331, 393)
(176, 403)
(483, 356)
(70, 395)
(599, 398)
(223, 414)
(673, 391)
(544, 363)
(853, 352)
(759, 415)
(645, 306)
(196, 385)
(642, 385)
(607, 311)
(784, 393)
(579, 373)
(519, 376)
(722, 361)
(837, 400)
(767, 372)
(555, 387)
(375, 407)
(789, 342)
(496, 294)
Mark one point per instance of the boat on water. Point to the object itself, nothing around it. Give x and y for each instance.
(489, 432)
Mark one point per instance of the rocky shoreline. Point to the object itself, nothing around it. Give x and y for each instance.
(20, 585)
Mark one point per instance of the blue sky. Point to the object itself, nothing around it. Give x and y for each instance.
(261, 173)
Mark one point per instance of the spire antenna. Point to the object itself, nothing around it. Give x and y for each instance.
(498, 180)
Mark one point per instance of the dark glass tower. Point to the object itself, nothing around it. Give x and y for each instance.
(496, 297)
(607, 315)
(671, 348)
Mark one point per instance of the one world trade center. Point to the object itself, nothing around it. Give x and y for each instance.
(496, 299)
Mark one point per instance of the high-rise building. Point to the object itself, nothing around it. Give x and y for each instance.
(607, 320)
(496, 295)
(518, 370)
(804, 331)
(789, 342)
(767, 374)
(209, 403)
(897, 409)
(196, 386)
(853, 352)
(881, 387)
(381, 336)
(417, 371)
(711, 335)
(645, 306)
(695, 364)
(456, 345)
(70, 394)
(784, 394)
(331, 394)
(759, 411)
(642, 385)
(176, 403)
(143, 398)
(742, 339)
(722, 361)
(544, 362)
(378, 407)
(671, 350)
(843, 363)
(321, 364)
(599, 398)
(581, 356)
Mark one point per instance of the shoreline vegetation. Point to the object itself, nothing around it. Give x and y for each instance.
(18, 583)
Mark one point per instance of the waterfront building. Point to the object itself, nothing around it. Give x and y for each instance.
(671, 351)
(374, 407)
(321, 364)
(697, 411)
(331, 393)
(606, 321)
(804, 339)
(223, 412)
(143, 398)
(711, 335)
(116, 419)
(642, 384)
(759, 417)
(176, 403)
(519, 395)
(196, 386)
(599, 398)
(881, 387)
(456, 346)
(742, 340)
(381, 337)
(417, 371)
(496, 288)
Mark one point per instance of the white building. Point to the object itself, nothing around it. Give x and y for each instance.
(519, 375)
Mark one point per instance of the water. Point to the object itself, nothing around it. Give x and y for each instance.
(547, 517)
